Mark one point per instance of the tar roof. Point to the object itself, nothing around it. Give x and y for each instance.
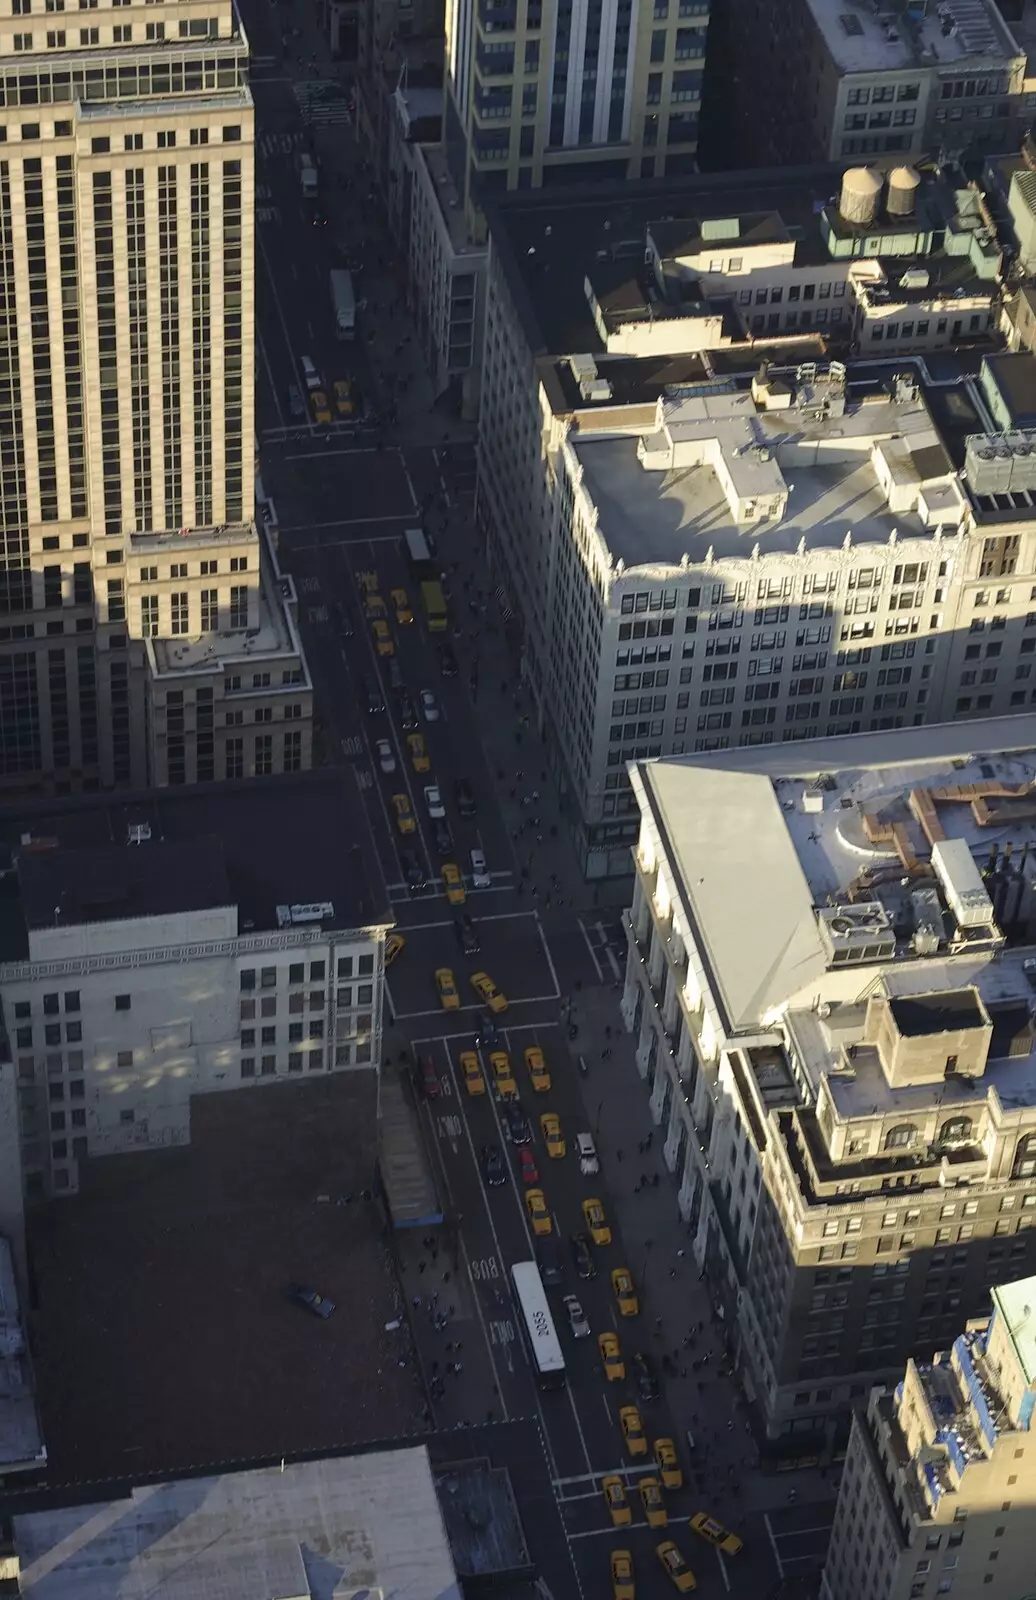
(919, 1015)
(315, 1528)
(298, 838)
(550, 243)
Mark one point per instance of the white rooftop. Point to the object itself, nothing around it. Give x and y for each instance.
(319, 1530)
(753, 862)
(867, 37)
(1015, 1302)
(675, 490)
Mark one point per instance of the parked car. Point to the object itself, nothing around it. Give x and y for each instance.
(633, 1430)
(480, 877)
(310, 376)
(715, 1533)
(429, 1078)
(433, 801)
(474, 1083)
(453, 883)
(394, 946)
(443, 838)
(616, 1501)
(675, 1566)
(644, 1376)
(300, 1294)
(374, 699)
(551, 1261)
(413, 871)
(587, 1151)
(611, 1357)
(487, 990)
(577, 1322)
(447, 660)
(530, 1172)
(467, 938)
(296, 403)
(494, 1169)
(429, 706)
(464, 795)
(386, 760)
(407, 713)
(517, 1125)
(583, 1256)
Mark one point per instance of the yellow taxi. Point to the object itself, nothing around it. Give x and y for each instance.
(654, 1505)
(668, 1463)
(401, 606)
(454, 883)
(611, 1356)
(715, 1533)
(487, 990)
(615, 1499)
(633, 1430)
(404, 815)
(446, 984)
(623, 1587)
(503, 1077)
(373, 605)
(596, 1222)
(345, 397)
(393, 947)
(550, 1127)
(383, 640)
(536, 1206)
(537, 1069)
(675, 1566)
(622, 1288)
(321, 409)
(474, 1082)
(418, 752)
(368, 580)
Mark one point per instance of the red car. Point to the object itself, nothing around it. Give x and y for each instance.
(429, 1078)
(527, 1165)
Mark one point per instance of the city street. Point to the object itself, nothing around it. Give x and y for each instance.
(343, 496)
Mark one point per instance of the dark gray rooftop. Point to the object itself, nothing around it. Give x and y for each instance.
(550, 241)
(292, 839)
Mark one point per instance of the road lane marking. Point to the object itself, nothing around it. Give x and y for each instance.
(593, 952)
(546, 952)
(492, 1228)
(342, 522)
(773, 1542)
(478, 1005)
(409, 480)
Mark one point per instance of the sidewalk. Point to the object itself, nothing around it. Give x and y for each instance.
(440, 1310)
(673, 1298)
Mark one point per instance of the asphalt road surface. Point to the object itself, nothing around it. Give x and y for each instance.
(344, 496)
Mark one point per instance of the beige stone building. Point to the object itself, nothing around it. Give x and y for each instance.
(830, 983)
(147, 634)
(940, 1477)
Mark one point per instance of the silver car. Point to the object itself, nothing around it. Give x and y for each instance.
(576, 1317)
(433, 800)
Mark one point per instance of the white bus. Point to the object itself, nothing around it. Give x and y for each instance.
(541, 1338)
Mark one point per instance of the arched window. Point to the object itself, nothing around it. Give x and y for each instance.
(1025, 1157)
(955, 1130)
(901, 1137)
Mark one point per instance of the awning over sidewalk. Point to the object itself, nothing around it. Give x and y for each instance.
(406, 1174)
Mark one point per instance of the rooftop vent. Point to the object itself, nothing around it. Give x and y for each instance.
(299, 915)
(852, 934)
(138, 833)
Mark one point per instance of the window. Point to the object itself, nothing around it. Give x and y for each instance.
(122, 1002)
(900, 1137)
(124, 1058)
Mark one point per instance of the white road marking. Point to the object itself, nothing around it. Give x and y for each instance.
(773, 1542)
(624, 1471)
(595, 1533)
(593, 952)
(609, 952)
(546, 952)
(485, 1201)
(342, 522)
(526, 1000)
(409, 480)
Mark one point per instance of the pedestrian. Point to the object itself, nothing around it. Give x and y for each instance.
(421, 1266)
(681, 1253)
(445, 1277)
(654, 1180)
(672, 1272)
(607, 1031)
(416, 1301)
(651, 1138)
(618, 1153)
(449, 1312)
(658, 1322)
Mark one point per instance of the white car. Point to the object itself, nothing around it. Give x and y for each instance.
(310, 373)
(429, 706)
(479, 871)
(433, 800)
(587, 1153)
(576, 1317)
(386, 760)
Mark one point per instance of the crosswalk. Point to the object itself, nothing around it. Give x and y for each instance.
(322, 104)
(280, 144)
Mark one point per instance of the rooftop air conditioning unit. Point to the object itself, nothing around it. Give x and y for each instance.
(311, 911)
(138, 833)
(851, 934)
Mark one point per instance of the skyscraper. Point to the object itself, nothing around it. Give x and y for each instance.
(551, 91)
(143, 615)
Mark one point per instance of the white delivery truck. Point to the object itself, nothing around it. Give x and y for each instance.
(309, 175)
(343, 303)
